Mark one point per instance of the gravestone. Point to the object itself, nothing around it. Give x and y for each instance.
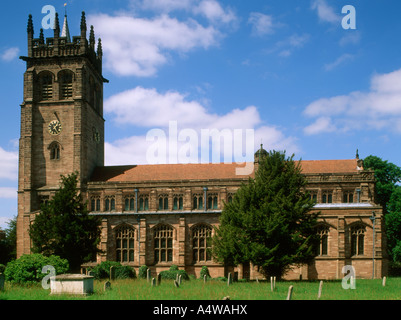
(230, 279)
(148, 275)
(159, 279)
(384, 281)
(2, 280)
(319, 294)
(107, 286)
(179, 279)
(289, 295)
(204, 278)
(176, 284)
(71, 284)
(112, 272)
(153, 282)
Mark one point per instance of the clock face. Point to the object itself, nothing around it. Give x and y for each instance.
(54, 127)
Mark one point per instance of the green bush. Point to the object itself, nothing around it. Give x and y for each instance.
(204, 272)
(142, 272)
(172, 273)
(28, 268)
(102, 270)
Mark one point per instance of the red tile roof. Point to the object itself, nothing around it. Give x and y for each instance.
(169, 172)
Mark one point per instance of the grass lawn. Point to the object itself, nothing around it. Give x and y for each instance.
(138, 289)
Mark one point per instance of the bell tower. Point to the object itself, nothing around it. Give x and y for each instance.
(62, 125)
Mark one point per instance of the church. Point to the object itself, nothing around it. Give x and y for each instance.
(163, 215)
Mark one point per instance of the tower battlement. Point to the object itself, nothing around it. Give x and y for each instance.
(61, 45)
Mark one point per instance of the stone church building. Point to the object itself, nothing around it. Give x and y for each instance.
(159, 215)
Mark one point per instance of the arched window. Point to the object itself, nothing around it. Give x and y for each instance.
(46, 86)
(212, 202)
(54, 151)
(163, 243)
(143, 203)
(323, 233)
(129, 203)
(125, 243)
(178, 203)
(95, 203)
(65, 83)
(163, 202)
(198, 202)
(357, 240)
(201, 243)
(109, 203)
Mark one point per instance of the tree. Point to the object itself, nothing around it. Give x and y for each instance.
(388, 194)
(64, 227)
(269, 222)
(387, 176)
(8, 245)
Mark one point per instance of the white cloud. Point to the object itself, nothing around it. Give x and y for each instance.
(325, 12)
(8, 164)
(214, 12)
(10, 54)
(8, 193)
(137, 46)
(262, 24)
(322, 124)
(340, 60)
(286, 47)
(377, 109)
(139, 106)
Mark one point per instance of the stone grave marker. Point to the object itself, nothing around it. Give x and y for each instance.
(176, 284)
(159, 279)
(319, 294)
(289, 295)
(230, 279)
(107, 286)
(148, 275)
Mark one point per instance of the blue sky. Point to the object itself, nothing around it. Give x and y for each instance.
(286, 69)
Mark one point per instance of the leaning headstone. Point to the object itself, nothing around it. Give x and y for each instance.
(2, 280)
(112, 271)
(107, 286)
(230, 279)
(319, 294)
(384, 281)
(289, 295)
(148, 275)
(153, 282)
(176, 284)
(179, 279)
(159, 279)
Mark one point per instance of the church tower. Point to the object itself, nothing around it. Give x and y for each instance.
(62, 125)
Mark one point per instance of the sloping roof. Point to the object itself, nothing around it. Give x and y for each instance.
(170, 172)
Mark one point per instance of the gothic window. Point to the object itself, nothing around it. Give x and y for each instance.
(54, 151)
(348, 197)
(313, 195)
(212, 202)
(201, 243)
(143, 203)
(125, 244)
(197, 202)
(65, 81)
(230, 199)
(95, 203)
(163, 243)
(163, 202)
(109, 203)
(129, 203)
(357, 240)
(323, 233)
(327, 197)
(46, 86)
(178, 203)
